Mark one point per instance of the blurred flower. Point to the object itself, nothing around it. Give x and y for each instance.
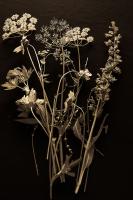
(104, 80)
(16, 76)
(69, 101)
(18, 25)
(76, 36)
(85, 74)
(30, 100)
(51, 35)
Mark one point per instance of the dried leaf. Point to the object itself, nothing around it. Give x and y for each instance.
(8, 86)
(23, 115)
(30, 121)
(90, 156)
(77, 130)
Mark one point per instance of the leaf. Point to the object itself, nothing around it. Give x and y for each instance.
(77, 130)
(102, 126)
(30, 121)
(8, 86)
(17, 49)
(90, 156)
(26, 73)
(23, 115)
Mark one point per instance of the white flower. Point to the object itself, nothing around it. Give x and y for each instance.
(13, 29)
(84, 34)
(69, 101)
(71, 96)
(76, 34)
(19, 25)
(31, 27)
(23, 26)
(23, 19)
(5, 36)
(27, 15)
(90, 39)
(86, 29)
(8, 21)
(13, 23)
(14, 17)
(33, 20)
(6, 28)
(85, 74)
(28, 99)
(76, 30)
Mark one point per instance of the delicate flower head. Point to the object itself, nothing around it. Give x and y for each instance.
(69, 101)
(85, 74)
(51, 35)
(30, 100)
(76, 36)
(18, 25)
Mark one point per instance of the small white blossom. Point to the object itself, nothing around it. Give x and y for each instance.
(13, 29)
(90, 39)
(69, 101)
(5, 36)
(27, 15)
(31, 26)
(14, 17)
(85, 74)
(86, 29)
(6, 28)
(30, 99)
(33, 20)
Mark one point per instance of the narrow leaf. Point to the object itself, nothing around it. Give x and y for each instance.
(30, 121)
(77, 130)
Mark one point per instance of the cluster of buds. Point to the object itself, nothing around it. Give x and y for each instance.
(104, 80)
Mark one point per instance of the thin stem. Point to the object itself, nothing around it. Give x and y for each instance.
(41, 80)
(61, 158)
(79, 57)
(36, 56)
(33, 150)
(63, 81)
(39, 122)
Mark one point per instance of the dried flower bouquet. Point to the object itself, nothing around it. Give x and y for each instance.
(64, 116)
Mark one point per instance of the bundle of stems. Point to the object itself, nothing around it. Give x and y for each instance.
(67, 122)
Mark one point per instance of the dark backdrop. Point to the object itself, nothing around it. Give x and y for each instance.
(110, 176)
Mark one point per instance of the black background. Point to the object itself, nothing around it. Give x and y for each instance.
(110, 176)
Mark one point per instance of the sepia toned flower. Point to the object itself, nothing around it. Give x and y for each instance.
(18, 25)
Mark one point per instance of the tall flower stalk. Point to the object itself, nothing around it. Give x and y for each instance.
(64, 117)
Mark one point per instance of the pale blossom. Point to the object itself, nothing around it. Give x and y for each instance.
(85, 74)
